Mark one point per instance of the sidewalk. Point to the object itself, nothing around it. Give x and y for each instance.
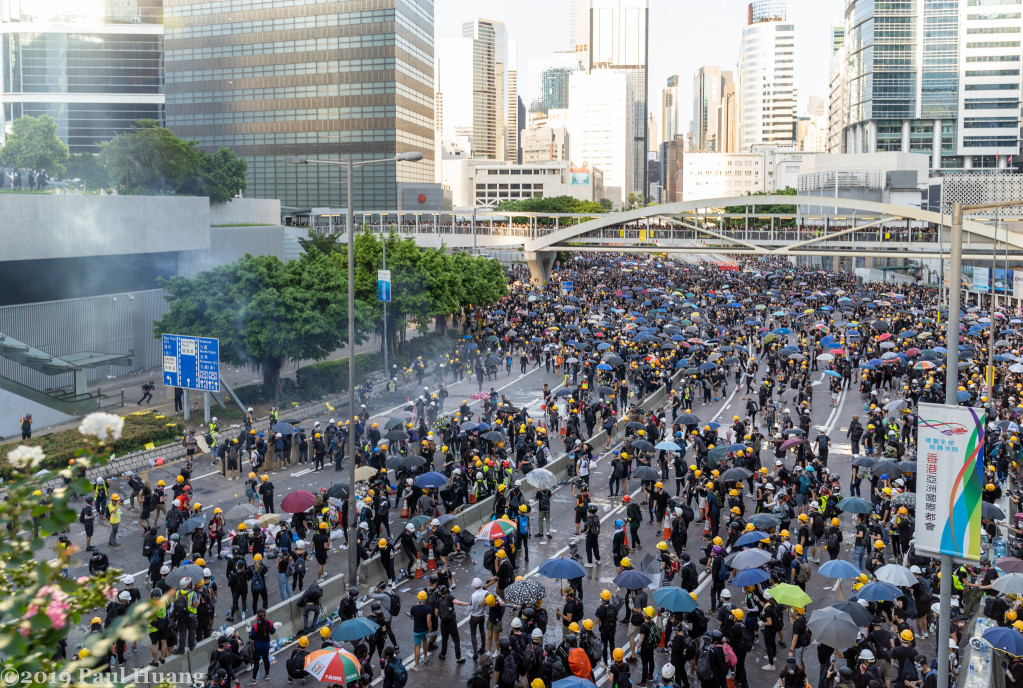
(163, 397)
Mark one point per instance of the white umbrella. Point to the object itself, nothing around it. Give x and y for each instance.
(1010, 583)
(541, 479)
(897, 575)
(825, 358)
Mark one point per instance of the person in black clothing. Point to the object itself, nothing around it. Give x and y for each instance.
(445, 605)
(147, 393)
(348, 609)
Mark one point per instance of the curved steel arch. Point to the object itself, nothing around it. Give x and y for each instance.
(560, 236)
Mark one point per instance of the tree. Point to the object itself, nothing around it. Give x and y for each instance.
(150, 159)
(33, 144)
(86, 168)
(221, 176)
(265, 312)
(324, 242)
(607, 204)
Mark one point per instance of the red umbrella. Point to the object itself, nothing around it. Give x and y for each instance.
(913, 351)
(298, 501)
(792, 442)
(837, 352)
(886, 335)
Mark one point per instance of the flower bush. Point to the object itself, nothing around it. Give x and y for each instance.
(38, 603)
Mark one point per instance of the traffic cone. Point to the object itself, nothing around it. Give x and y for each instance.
(625, 535)
(404, 511)
(431, 561)
(666, 534)
(419, 566)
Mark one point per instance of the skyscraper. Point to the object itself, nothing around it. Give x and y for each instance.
(489, 86)
(579, 27)
(308, 78)
(600, 122)
(709, 85)
(512, 123)
(618, 42)
(94, 67)
(767, 97)
(940, 77)
(670, 124)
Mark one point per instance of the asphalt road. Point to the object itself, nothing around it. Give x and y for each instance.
(211, 489)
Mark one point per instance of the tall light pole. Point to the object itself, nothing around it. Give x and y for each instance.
(412, 156)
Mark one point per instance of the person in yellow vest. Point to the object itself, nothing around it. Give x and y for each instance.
(114, 511)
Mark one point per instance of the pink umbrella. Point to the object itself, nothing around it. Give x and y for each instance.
(298, 501)
(792, 442)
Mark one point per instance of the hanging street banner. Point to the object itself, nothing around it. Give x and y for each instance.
(384, 286)
(950, 465)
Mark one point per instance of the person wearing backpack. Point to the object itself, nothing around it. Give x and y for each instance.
(394, 673)
(619, 670)
(800, 635)
(296, 662)
(649, 638)
(481, 677)
(258, 580)
(445, 604)
(710, 662)
(741, 642)
(87, 517)
(506, 673)
(792, 675)
(262, 629)
(772, 626)
(799, 570)
(833, 539)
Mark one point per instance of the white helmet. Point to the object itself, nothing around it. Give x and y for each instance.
(229, 631)
(479, 475)
(410, 528)
(408, 481)
(915, 569)
(516, 622)
(300, 544)
(866, 655)
(164, 570)
(185, 582)
(125, 596)
(250, 409)
(536, 634)
(477, 583)
(128, 579)
(332, 421)
(214, 419)
(363, 526)
(435, 523)
(206, 573)
(668, 671)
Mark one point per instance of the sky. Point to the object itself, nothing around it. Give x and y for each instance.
(684, 35)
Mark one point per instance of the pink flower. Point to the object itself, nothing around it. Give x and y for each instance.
(57, 615)
(82, 580)
(31, 611)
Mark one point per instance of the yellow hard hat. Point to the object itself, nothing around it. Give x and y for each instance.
(662, 545)
(421, 596)
(303, 641)
(626, 562)
(324, 632)
(738, 614)
(605, 594)
(618, 654)
(650, 612)
(907, 635)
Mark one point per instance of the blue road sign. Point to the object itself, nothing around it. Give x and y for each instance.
(191, 362)
(384, 286)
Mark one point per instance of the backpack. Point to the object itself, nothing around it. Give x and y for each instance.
(180, 608)
(730, 659)
(621, 677)
(832, 541)
(688, 515)
(81, 515)
(395, 607)
(804, 484)
(724, 572)
(400, 673)
(787, 556)
(509, 673)
(803, 574)
(258, 584)
(446, 609)
(529, 661)
(704, 663)
(296, 662)
(655, 634)
(135, 483)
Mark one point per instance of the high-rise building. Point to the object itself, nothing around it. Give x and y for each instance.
(579, 27)
(489, 87)
(767, 96)
(600, 122)
(618, 42)
(728, 119)
(512, 122)
(709, 83)
(548, 80)
(837, 36)
(95, 67)
(940, 77)
(544, 144)
(308, 78)
(670, 111)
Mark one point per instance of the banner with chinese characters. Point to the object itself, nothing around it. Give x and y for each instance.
(950, 468)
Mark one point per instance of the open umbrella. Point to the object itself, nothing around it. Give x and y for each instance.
(1010, 564)
(896, 575)
(541, 479)
(337, 491)
(192, 524)
(630, 579)
(524, 592)
(364, 473)
(495, 530)
(188, 570)
(855, 505)
(240, 512)
(562, 568)
(748, 559)
(354, 629)
(833, 627)
(1010, 583)
(988, 510)
(736, 474)
(284, 429)
(749, 577)
(667, 445)
(839, 568)
(331, 665)
(1006, 639)
(751, 538)
(431, 480)
(674, 599)
(574, 682)
(764, 521)
(861, 616)
(878, 592)
(645, 473)
(267, 520)
(298, 501)
(642, 445)
(792, 595)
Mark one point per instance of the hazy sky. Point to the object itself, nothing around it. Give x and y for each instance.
(684, 34)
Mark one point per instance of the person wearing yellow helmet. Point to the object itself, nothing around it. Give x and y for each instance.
(421, 614)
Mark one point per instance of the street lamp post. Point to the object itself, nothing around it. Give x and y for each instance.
(350, 165)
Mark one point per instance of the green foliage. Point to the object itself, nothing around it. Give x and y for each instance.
(33, 144)
(39, 603)
(265, 312)
(554, 204)
(87, 168)
(139, 429)
(221, 177)
(781, 209)
(607, 204)
(324, 242)
(149, 158)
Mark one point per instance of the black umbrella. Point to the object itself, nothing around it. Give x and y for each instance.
(396, 436)
(863, 462)
(860, 615)
(645, 473)
(524, 592)
(643, 445)
(188, 570)
(284, 429)
(764, 521)
(689, 419)
(988, 510)
(890, 468)
(493, 436)
(337, 491)
(411, 461)
(393, 462)
(736, 474)
(192, 524)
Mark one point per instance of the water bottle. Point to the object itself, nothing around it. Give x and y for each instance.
(223, 629)
(243, 616)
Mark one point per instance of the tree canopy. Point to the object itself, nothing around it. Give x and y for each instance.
(149, 158)
(787, 191)
(221, 176)
(265, 312)
(553, 204)
(33, 144)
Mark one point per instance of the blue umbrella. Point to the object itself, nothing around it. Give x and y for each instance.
(674, 599)
(431, 480)
(751, 538)
(604, 366)
(573, 682)
(631, 579)
(878, 592)
(708, 366)
(1006, 639)
(667, 446)
(839, 568)
(562, 568)
(354, 629)
(854, 505)
(749, 577)
(962, 396)
(833, 373)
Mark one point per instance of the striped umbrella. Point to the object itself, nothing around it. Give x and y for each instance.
(331, 665)
(495, 530)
